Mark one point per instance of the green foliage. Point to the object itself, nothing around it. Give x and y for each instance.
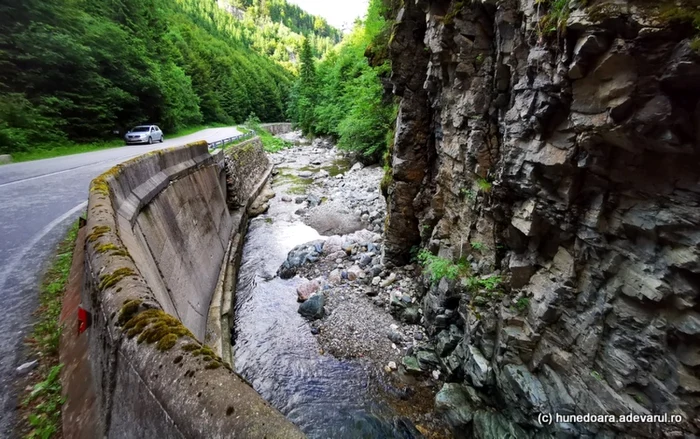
(484, 185)
(303, 96)
(45, 419)
(75, 72)
(438, 268)
(347, 98)
(456, 8)
(554, 21)
(522, 305)
(43, 402)
(478, 246)
(270, 142)
(491, 283)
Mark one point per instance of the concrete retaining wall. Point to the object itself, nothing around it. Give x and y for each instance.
(278, 128)
(158, 230)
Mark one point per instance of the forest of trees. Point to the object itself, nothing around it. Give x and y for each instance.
(342, 96)
(79, 70)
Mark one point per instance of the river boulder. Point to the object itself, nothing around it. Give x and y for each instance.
(312, 309)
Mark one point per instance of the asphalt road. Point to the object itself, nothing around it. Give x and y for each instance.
(39, 201)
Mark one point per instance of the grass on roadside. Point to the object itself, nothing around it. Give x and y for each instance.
(270, 142)
(41, 405)
(79, 148)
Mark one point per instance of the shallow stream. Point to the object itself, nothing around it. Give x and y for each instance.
(275, 349)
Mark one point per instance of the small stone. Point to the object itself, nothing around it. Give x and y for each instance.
(355, 272)
(335, 277)
(305, 290)
(411, 365)
(392, 365)
(376, 281)
(436, 374)
(388, 281)
(356, 167)
(287, 199)
(27, 367)
(418, 336)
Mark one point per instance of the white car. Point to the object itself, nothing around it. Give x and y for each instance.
(144, 134)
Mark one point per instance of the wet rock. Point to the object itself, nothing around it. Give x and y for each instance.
(447, 340)
(410, 363)
(376, 270)
(313, 200)
(492, 425)
(478, 368)
(688, 323)
(557, 394)
(364, 260)
(287, 199)
(305, 253)
(313, 309)
(403, 309)
(453, 404)
(521, 386)
(427, 359)
(300, 200)
(396, 337)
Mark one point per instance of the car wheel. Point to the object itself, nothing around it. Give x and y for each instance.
(150, 140)
(162, 139)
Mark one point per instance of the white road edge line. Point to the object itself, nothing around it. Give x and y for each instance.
(35, 240)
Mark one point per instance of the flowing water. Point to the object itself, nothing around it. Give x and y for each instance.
(276, 351)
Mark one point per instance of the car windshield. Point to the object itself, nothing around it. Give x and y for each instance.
(140, 129)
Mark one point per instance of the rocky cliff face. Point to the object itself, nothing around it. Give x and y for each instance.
(556, 152)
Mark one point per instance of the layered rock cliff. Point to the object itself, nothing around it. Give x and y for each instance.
(554, 147)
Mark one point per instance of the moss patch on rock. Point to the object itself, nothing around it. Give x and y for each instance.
(153, 326)
(109, 280)
(98, 232)
(129, 310)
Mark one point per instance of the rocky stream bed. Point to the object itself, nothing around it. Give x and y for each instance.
(324, 331)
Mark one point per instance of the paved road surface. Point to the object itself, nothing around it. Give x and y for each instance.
(38, 202)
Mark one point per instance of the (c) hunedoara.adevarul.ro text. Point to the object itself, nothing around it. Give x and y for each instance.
(631, 418)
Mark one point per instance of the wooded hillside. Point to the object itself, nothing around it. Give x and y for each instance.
(79, 70)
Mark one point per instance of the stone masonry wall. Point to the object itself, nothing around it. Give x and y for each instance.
(565, 163)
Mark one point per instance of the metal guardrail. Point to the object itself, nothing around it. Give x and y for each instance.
(223, 142)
